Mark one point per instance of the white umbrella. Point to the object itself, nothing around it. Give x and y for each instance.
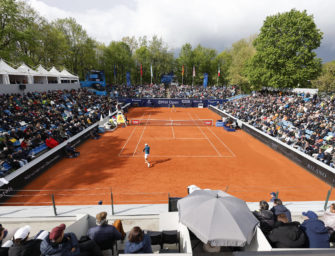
(217, 218)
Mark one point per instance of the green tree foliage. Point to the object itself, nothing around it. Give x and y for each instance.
(223, 61)
(117, 54)
(326, 81)
(81, 48)
(242, 51)
(285, 56)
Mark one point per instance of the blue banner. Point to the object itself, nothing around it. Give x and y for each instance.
(187, 103)
(128, 79)
(205, 80)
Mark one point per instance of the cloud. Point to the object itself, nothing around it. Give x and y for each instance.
(212, 23)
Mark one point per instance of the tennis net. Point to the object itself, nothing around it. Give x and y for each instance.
(159, 122)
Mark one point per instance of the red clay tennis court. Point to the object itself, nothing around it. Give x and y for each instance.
(206, 156)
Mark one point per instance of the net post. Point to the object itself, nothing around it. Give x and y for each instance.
(112, 202)
(327, 198)
(54, 204)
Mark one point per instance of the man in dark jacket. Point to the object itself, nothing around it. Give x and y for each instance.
(265, 217)
(22, 246)
(287, 235)
(279, 208)
(315, 230)
(60, 244)
(103, 234)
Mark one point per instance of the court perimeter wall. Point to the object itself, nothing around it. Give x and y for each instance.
(155, 102)
(30, 171)
(317, 168)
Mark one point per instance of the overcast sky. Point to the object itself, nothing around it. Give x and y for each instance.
(211, 23)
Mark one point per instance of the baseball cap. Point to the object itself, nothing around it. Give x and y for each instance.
(273, 194)
(310, 214)
(56, 232)
(22, 232)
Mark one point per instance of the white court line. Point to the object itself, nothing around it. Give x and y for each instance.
(233, 154)
(207, 138)
(129, 138)
(141, 136)
(173, 135)
(168, 138)
(151, 156)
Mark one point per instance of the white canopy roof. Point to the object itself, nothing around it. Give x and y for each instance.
(55, 72)
(27, 70)
(42, 71)
(6, 69)
(66, 73)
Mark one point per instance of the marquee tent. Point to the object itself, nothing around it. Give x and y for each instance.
(67, 77)
(11, 75)
(34, 76)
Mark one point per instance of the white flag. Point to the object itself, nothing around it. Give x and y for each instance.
(151, 71)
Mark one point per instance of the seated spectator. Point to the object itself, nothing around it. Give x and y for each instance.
(138, 242)
(265, 217)
(279, 208)
(22, 246)
(329, 220)
(70, 151)
(60, 243)
(315, 231)
(287, 234)
(3, 234)
(94, 133)
(103, 234)
(51, 142)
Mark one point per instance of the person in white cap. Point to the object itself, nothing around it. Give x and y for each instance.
(146, 151)
(22, 246)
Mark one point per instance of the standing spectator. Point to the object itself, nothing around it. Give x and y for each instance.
(58, 243)
(103, 234)
(22, 246)
(265, 217)
(279, 208)
(287, 234)
(315, 230)
(138, 242)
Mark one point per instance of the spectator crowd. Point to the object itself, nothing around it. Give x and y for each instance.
(173, 91)
(278, 227)
(35, 122)
(302, 121)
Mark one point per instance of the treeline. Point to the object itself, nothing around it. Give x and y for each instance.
(282, 55)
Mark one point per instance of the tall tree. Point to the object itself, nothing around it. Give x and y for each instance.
(223, 62)
(326, 81)
(242, 51)
(285, 56)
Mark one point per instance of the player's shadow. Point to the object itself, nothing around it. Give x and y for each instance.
(160, 161)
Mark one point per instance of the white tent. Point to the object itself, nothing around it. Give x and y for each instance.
(4, 69)
(68, 77)
(53, 72)
(11, 75)
(27, 70)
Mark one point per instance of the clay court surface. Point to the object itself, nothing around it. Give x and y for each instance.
(208, 157)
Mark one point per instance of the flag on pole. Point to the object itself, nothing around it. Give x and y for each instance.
(193, 70)
(141, 71)
(151, 71)
(182, 70)
(219, 72)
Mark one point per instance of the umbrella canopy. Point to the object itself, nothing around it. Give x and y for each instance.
(217, 218)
